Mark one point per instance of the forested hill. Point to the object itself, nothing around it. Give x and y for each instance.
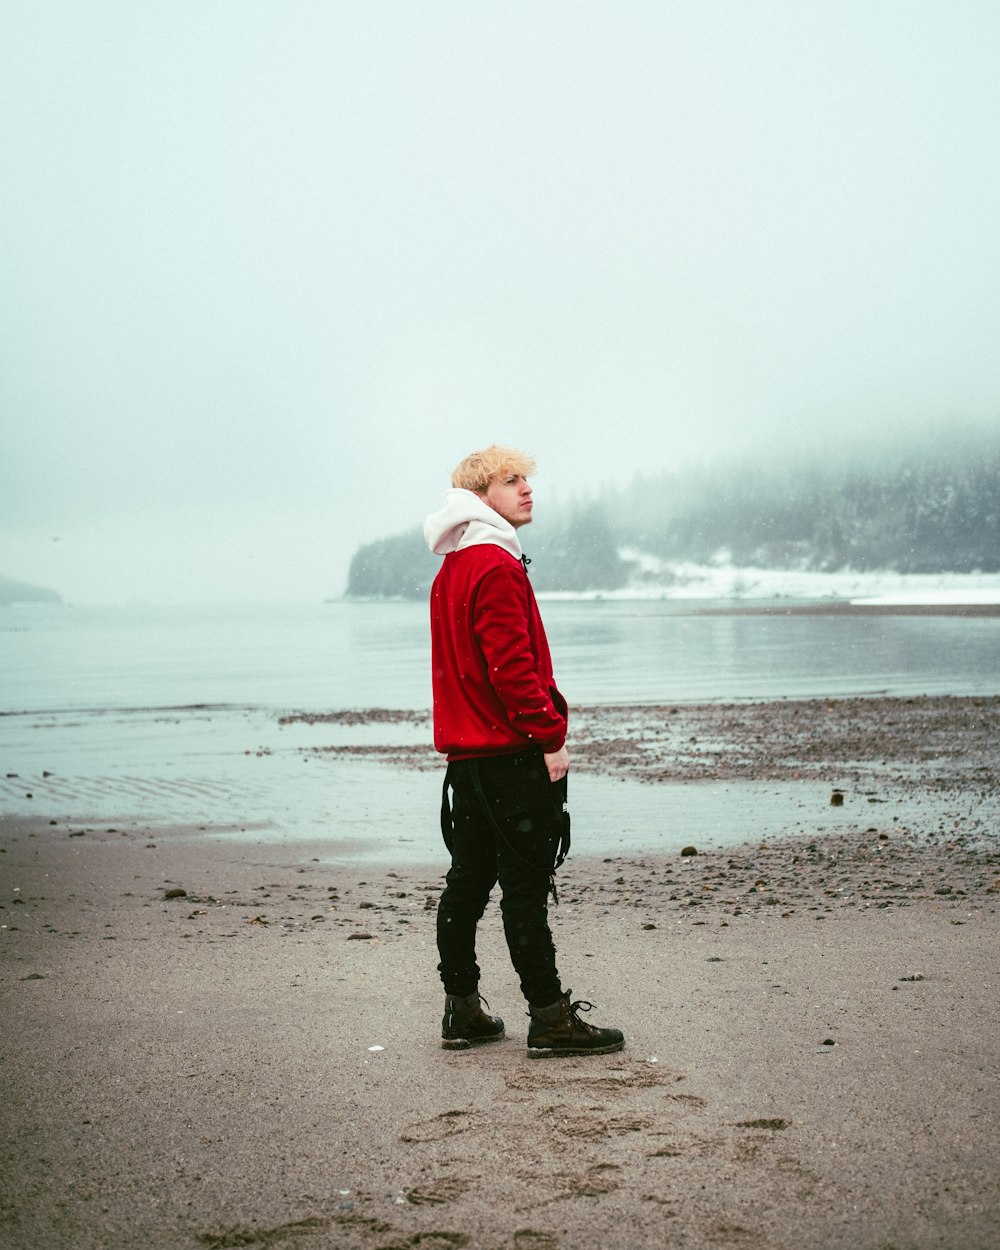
(575, 549)
(21, 592)
(928, 509)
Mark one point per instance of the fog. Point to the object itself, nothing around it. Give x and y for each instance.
(270, 269)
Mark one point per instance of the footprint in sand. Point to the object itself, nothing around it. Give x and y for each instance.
(443, 1189)
(601, 1178)
(592, 1127)
(246, 1236)
(531, 1239)
(447, 1124)
(688, 1100)
(428, 1241)
(618, 1080)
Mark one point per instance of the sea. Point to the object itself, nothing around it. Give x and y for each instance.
(173, 716)
(347, 654)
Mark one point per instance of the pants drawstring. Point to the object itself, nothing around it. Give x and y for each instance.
(447, 825)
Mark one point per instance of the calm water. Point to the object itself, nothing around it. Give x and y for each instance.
(376, 654)
(107, 732)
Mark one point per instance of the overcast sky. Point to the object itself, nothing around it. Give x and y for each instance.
(268, 270)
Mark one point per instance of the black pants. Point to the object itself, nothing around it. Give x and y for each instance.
(508, 823)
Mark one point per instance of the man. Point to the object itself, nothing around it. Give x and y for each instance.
(501, 722)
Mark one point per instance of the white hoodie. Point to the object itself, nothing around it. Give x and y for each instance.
(466, 521)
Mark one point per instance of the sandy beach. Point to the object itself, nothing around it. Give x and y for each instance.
(217, 1041)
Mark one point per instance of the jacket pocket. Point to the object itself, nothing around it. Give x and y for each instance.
(558, 702)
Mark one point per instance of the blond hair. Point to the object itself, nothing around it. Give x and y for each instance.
(479, 468)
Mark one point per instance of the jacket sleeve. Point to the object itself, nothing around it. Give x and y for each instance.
(500, 622)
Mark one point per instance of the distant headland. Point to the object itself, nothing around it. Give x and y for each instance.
(927, 508)
(12, 591)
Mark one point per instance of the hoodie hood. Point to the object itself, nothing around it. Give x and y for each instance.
(466, 521)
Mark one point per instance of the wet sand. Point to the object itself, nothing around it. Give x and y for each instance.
(231, 1041)
(931, 744)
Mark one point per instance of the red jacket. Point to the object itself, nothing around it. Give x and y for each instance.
(494, 692)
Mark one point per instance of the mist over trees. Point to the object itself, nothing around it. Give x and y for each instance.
(930, 507)
(401, 567)
(574, 549)
(12, 591)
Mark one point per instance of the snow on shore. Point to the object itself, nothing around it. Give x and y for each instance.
(665, 579)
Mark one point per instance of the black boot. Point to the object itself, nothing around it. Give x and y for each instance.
(465, 1023)
(558, 1030)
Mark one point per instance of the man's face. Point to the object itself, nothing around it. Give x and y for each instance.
(510, 495)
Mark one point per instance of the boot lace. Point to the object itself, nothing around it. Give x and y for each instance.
(582, 1005)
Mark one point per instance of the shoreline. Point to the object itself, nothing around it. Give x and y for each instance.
(650, 778)
(930, 742)
(837, 607)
